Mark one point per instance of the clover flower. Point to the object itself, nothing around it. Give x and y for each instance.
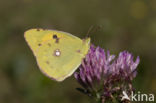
(105, 77)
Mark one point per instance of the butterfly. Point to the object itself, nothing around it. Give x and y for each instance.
(58, 54)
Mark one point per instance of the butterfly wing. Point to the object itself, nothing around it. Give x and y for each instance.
(59, 54)
(35, 38)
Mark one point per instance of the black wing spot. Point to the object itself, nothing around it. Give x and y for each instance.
(57, 40)
(55, 36)
(39, 44)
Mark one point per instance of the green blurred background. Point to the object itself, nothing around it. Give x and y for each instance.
(124, 25)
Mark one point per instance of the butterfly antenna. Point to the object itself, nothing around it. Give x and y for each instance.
(92, 29)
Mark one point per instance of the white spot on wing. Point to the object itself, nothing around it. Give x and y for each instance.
(57, 52)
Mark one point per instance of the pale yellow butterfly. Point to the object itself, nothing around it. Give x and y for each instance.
(58, 53)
